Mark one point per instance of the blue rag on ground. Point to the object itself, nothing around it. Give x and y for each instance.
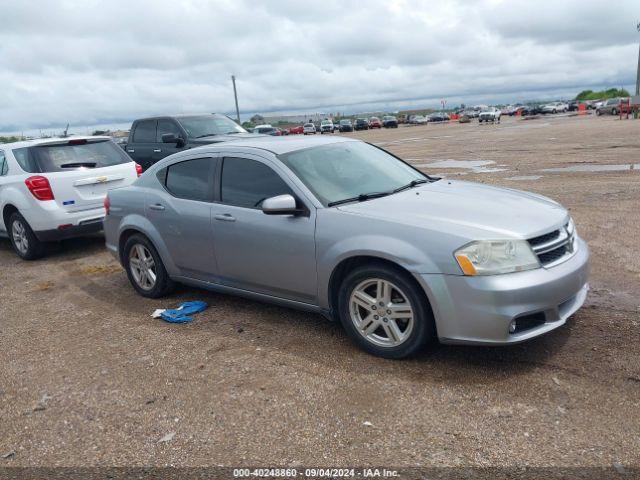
(183, 312)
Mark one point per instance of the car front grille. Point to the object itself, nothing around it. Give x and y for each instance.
(556, 246)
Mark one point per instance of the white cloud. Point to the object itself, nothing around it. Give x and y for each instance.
(92, 62)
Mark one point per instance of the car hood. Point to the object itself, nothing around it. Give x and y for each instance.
(223, 138)
(464, 208)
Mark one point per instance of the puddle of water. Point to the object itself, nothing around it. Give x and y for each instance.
(476, 166)
(595, 168)
(525, 177)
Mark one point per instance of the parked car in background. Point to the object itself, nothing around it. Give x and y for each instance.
(438, 117)
(418, 120)
(361, 124)
(346, 125)
(572, 106)
(366, 246)
(530, 110)
(374, 122)
(309, 128)
(389, 121)
(555, 107)
(326, 126)
(299, 130)
(152, 139)
(52, 189)
(609, 107)
(490, 114)
(267, 130)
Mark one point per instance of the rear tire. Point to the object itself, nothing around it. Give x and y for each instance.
(399, 318)
(614, 112)
(23, 240)
(145, 269)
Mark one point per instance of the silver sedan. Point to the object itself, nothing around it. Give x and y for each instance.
(343, 228)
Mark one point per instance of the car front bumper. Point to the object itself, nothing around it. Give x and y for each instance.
(479, 310)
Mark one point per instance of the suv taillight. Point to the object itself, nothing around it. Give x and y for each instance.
(39, 187)
(138, 169)
(107, 204)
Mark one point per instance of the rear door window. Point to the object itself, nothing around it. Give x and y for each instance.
(74, 155)
(145, 132)
(191, 179)
(246, 183)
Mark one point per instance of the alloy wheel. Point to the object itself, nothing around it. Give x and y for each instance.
(143, 267)
(381, 312)
(20, 239)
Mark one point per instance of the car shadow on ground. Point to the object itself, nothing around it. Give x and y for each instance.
(71, 249)
(314, 339)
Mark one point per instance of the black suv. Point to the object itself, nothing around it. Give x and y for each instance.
(152, 139)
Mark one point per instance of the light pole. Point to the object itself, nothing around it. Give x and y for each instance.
(235, 95)
(638, 74)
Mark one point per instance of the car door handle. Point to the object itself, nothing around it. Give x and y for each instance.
(156, 206)
(225, 218)
(156, 150)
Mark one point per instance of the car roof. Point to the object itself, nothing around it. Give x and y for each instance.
(277, 145)
(49, 141)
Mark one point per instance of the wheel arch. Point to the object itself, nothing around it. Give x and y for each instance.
(346, 265)
(141, 226)
(8, 210)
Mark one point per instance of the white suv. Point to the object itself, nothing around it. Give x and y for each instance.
(55, 188)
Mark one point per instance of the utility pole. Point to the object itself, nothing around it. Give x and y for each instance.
(235, 95)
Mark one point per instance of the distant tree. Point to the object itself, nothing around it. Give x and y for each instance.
(100, 132)
(257, 119)
(602, 94)
(9, 139)
(247, 125)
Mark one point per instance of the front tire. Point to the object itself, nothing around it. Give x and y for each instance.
(145, 269)
(23, 240)
(384, 311)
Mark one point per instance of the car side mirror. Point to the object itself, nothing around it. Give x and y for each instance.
(172, 138)
(280, 205)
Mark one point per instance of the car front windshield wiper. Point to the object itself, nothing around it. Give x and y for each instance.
(79, 164)
(360, 198)
(411, 184)
(206, 135)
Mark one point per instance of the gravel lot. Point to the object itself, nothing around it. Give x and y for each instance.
(88, 378)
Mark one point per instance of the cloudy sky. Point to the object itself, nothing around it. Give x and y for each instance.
(91, 62)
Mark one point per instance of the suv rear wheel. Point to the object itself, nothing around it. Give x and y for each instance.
(23, 240)
(384, 311)
(145, 269)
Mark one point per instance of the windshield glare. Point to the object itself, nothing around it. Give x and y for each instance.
(205, 125)
(345, 170)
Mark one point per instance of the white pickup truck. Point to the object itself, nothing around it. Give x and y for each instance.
(489, 114)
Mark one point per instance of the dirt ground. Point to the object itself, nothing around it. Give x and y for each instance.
(88, 378)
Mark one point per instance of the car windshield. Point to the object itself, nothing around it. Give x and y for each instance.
(345, 122)
(345, 170)
(326, 122)
(308, 125)
(206, 125)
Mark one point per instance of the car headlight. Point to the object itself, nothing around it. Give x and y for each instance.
(490, 257)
